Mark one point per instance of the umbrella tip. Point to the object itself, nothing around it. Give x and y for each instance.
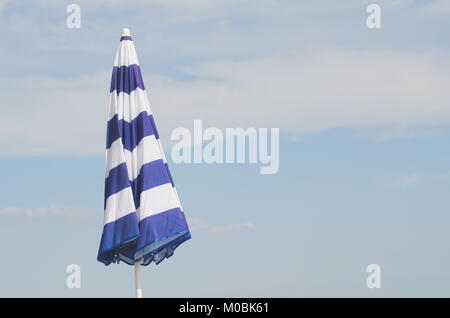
(126, 32)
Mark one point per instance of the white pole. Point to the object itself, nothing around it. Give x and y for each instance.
(137, 279)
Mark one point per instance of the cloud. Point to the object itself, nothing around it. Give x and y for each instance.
(399, 132)
(45, 116)
(202, 226)
(437, 7)
(415, 179)
(321, 90)
(40, 212)
(312, 92)
(297, 92)
(409, 180)
(4, 4)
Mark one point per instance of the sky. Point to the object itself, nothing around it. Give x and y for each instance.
(364, 119)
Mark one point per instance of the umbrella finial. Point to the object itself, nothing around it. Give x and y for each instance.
(126, 32)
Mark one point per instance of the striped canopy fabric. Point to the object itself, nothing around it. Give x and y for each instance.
(143, 220)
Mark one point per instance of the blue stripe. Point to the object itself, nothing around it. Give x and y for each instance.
(170, 175)
(122, 238)
(113, 130)
(118, 237)
(161, 226)
(125, 37)
(165, 248)
(126, 79)
(152, 121)
(131, 133)
(117, 180)
(151, 175)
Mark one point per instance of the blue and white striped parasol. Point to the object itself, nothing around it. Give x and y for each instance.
(143, 220)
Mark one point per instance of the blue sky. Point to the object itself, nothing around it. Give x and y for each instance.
(364, 159)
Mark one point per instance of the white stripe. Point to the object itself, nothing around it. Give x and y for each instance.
(128, 106)
(118, 205)
(161, 150)
(146, 151)
(157, 200)
(126, 54)
(115, 155)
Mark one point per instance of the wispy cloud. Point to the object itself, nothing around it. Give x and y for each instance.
(399, 132)
(437, 7)
(40, 212)
(202, 226)
(409, 180)
(420, 178)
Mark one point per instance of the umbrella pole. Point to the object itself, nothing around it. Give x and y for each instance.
(137, 279)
